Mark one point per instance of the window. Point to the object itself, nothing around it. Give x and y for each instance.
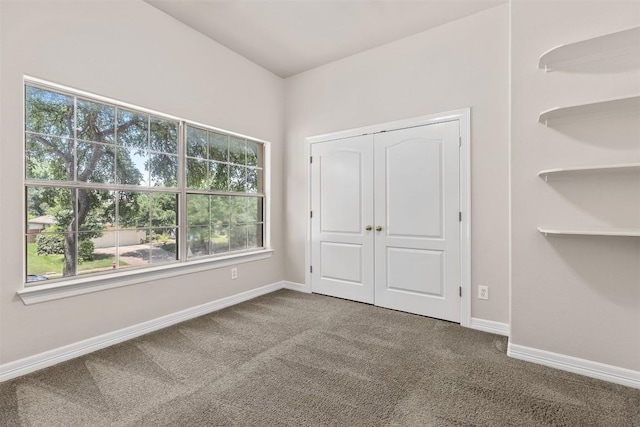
(224, 193)
(110, 187)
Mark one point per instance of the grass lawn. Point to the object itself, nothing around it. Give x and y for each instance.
(51, 265)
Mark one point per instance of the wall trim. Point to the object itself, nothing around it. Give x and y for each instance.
(490, 326)
(601, 371)
(294, 286)
(52, 357)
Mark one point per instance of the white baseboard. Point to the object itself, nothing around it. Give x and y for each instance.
(300, 287)
(601, 371)
(490, 326)
(43, 360)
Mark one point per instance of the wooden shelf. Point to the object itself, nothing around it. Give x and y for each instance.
(620, 232)
(605, 169)
(592, 110)
(620, 43)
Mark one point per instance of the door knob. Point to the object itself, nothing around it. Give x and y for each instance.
(378, 228)
(368, 228)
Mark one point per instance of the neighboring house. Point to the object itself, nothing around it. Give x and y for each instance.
(36, 225)
(125, 238)
(41, 223)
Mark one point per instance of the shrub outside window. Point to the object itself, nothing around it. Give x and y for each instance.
(112, 188)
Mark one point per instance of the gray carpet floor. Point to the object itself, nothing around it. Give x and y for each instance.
(293, 359)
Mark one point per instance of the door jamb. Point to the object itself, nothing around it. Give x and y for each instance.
(464, 117)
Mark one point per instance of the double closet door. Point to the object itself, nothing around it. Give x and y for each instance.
(385, 224)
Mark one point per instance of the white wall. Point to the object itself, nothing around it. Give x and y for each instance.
(131, 52)
(460, 64)
(576, 296)
(573, 296)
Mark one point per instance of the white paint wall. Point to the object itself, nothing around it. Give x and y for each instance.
(131, 52)
(460, 64)
(577, 296)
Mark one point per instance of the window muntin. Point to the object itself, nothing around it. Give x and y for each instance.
(105, 192)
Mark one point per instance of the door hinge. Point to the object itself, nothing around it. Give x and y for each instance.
(310, 159)
(460, 216)
(459, 141)
(311, 214)
(460, 291)
(310, 269)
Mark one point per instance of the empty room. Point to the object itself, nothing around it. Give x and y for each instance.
(319, 212)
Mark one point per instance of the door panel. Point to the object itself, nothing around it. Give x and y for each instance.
(417, 252)
(333, 267)
(415, 271)
(341, 174)
(342, 206)
(413, 168)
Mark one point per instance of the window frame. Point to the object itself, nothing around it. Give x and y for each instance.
(79, 284)
(210, 192)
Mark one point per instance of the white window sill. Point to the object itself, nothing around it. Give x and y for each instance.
(84, 285)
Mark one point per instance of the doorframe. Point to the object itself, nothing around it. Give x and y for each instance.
(464, 117)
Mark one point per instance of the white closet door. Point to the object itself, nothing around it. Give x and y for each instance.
(417, 251)
(342, 206)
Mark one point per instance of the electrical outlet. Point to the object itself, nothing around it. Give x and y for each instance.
(234, 273)
(483, 292)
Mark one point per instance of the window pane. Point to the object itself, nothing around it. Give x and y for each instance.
(163, 245)
(164, 170)
(95, 122)
(49, 208)
(134, 209)
(254, 154)
(45, 257)
(97, 209)
(237, 150)
(254, 236)
(164, 136)
(134, 248)
(197, 210)
(49, 112)
(133, 129)
(57, 251)
(49, 158)
(164, 210)
(254, 183)
(197, 241)
(238, 237)
(247, 210)
(218, 176)
(218, 147)
(132, 167)
(197, 174)
(196, 142)
(96, 253)
(220, 210)
(219, 239)
(96, 163)
(237, 178)
(239, 210)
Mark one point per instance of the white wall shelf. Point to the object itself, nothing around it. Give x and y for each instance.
(620, 232)
(620, 43)
(561, 115)
(631, 168)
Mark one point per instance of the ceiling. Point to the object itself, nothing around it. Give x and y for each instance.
(288, 37)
